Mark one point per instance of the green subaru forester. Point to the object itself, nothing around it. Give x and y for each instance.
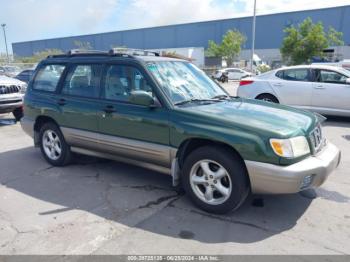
(166, 114)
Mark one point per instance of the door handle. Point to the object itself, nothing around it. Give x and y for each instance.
(109, 109)
(277, 84)
(62, 102)
(319, 87)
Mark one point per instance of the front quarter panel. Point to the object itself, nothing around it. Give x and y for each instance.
(249, 144)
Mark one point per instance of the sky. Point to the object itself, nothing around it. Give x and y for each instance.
(40, 19)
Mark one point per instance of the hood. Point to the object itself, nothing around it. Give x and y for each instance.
(5, 80)
(269, 119)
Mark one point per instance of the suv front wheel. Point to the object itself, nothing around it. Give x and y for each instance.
(215, 179)
(53, 146)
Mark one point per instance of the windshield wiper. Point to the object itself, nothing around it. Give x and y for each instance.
(221, 97)
(194, 100)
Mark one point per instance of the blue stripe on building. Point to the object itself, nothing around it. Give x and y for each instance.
(269, 33)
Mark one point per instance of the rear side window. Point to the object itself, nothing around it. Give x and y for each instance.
(294, 74)
(83, 80)
(47, 78)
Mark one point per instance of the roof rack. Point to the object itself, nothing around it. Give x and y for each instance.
(75, 52)
(125, 52)
(85, 52)
(132, 52)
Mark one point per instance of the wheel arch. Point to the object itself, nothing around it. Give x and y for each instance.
(39, 122)
(191, 144)
(268, 94)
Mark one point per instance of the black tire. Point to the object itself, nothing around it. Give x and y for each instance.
(18, 113)
(236, 171)
(223, 78)
(65, 156)
(268, 98)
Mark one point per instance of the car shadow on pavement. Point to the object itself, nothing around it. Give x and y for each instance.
(136, 198)
(7, 121)
(339, 121)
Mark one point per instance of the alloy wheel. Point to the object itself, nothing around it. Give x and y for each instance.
(210, 182)
(52, 145)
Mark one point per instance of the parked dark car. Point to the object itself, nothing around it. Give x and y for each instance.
(25, 75)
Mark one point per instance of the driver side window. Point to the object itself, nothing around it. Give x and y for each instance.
(121, 80)
(332, 77)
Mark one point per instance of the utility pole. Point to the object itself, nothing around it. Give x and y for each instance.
(253, 38)
(7, 51)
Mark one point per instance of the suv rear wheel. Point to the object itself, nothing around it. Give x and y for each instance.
(215, 179)
(53, 146)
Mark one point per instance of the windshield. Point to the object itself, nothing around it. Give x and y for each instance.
(344, 71)
(183, 81)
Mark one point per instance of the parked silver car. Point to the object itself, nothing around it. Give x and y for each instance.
(11, 96)
(320, 88)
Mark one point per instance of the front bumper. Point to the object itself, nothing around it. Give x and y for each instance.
(10, 102)
(7, 108)
(273, 179)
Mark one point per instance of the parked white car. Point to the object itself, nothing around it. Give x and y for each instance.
(226, 74)
(320, 88)
(10, 71)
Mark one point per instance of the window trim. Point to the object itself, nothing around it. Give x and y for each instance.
(126, 64)
(69, 67)
(58, 86)
(280, 71)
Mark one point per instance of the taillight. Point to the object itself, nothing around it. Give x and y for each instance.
(245, 82)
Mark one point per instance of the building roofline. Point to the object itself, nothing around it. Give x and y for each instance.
(180, 24)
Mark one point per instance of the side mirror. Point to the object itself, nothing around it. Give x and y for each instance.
(347, 81)
(141, 98)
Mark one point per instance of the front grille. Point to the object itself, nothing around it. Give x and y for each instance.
(10, 101)
(9, 89)
(317, 139)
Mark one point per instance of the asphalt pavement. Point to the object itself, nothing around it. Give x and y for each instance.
(97, 206)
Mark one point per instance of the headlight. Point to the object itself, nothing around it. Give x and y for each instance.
(290, 148)
(23, 88)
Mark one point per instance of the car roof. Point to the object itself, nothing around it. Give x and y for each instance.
(100, 56)
(102, 59)
(313, 66)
